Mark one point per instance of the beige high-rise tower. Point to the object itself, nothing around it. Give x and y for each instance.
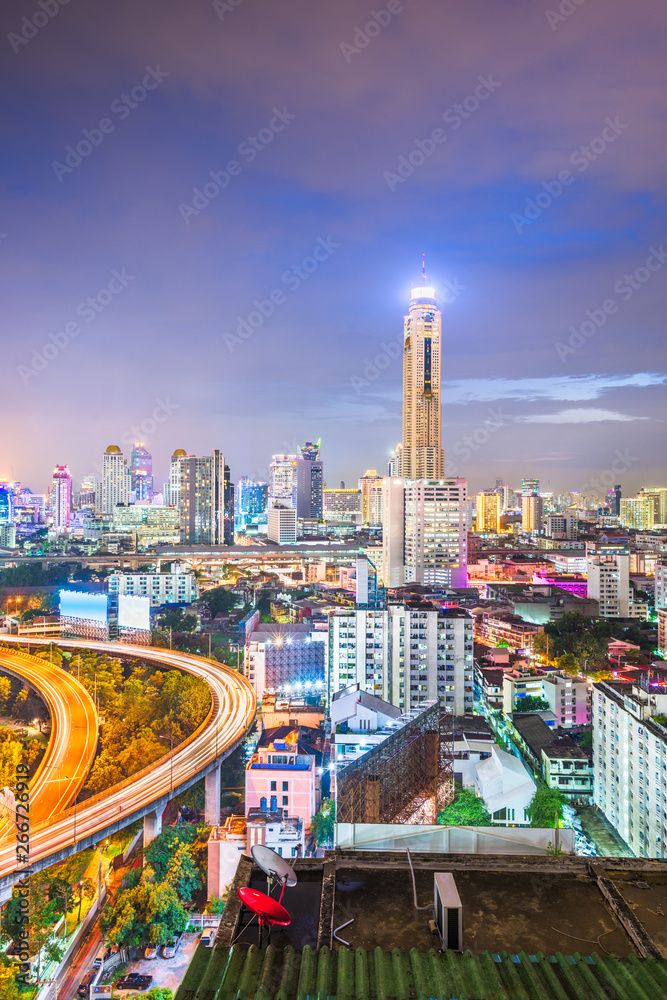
(421, 454)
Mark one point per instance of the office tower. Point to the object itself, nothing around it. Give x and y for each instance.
(228, 532)
(281, 525)
(116, 484)
(61, 498)
(371, 486)
(488, 512)
(532, 512)
(308, 482)
(141, 469)
(507, 498)
(250, 501)
(425, 532)
(86, 496)
(421, 455)
(562, 526)
(404, 654)
(281, 473)
(172, 489)
(608, 579)
(6, 504)
(202, 499)
(639, 512)
(659, 496)
(341, 505)
(529, 486)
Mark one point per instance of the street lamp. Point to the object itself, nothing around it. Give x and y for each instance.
(171, 758)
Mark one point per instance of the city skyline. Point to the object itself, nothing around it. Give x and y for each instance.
(263, 302)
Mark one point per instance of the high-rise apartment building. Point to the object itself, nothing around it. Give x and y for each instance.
(404, 654)
(202, 499)
(614, 501)
(6, 504)
(308, 482)
(281, 474)
(640, 512)
(608, 580)
(228, 532)
(529, 486)
(172, 489)
(250, 502)
(659, 496)
(661, 585)
(341, 505)
(532, 512)
(425, 532)
(61, 498)
(489, 505)
(371, 487)
(141, 469)
(116, 487)
(421, 454)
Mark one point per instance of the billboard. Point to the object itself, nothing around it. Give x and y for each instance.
(134, 612)
(89, 607)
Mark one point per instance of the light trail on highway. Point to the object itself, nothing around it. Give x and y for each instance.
(232, 712)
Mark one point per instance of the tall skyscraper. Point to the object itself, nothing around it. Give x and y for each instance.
(172, 489)
(250, 502)
(532, 512)
(228, 531)
(488, 512)
(421, 454)
(116, 485)
(61, 498)
(281, 473)
(202, 499)
(6, 504)
(308, 482)
(141, 469)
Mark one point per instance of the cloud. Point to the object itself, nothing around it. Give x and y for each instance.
(579, 416)
(562, 388)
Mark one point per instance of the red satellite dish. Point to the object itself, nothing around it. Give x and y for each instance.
(269, 910)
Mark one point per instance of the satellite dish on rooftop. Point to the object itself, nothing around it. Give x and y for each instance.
(274, 866)
(269, 911)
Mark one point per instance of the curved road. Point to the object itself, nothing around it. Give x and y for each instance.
(71, 749)
(232, 712)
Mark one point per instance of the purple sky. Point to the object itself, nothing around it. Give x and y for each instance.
(336, 112)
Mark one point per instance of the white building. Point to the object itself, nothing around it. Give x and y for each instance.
(359, 711)
(561, 526)
(568, 698)
(630, 761)
(425, 532)
(116, 485)
(405, 654)
(172, 489)
(660, 585)
(281, 525)
(608, 575)
(162, 588)
(61, 498)
(506, 787)
(341, 505)
(281, 475)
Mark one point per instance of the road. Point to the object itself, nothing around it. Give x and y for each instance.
(232, 712)
(71, 749)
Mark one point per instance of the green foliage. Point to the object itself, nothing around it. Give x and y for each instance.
(5, 691)
(322, 823)
(179, 856)
(586, 740)
(8, 986)
(530, 704)
(216, 905)
(148, 913)
(220, 600)
(466, 809)
(546, 802)
(32, 575)
(177, 621)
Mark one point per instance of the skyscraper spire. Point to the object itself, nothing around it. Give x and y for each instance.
(424, 268)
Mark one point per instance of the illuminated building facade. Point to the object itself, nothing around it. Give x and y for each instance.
(141, 470)
(61, 498)
(639, 512)
(532, 512)
(308, 482)
(116, 481)
(421, 454)
(488, 512)
(202, 499)
(6, 504)
(341, 505)
(281, 473)
(370, 485)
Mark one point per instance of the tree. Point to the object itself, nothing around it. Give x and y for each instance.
(10, 756)
(322, 823)
(545, 804)
(175, 620)
(149, 912)
(530, 704)
(5, 690)
(466, 809)
(219, 600)
(183, 874)
(8, 987)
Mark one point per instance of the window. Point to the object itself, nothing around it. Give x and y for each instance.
(285, 785)
(273, 786)
(285, 800)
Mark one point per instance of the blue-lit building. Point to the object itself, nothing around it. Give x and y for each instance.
(251, 501)
(6, 504)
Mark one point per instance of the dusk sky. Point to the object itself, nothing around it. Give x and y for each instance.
(561, 107)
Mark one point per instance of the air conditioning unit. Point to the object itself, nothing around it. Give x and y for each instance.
(448, 911)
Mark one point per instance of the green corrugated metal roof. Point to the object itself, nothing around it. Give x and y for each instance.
(241, 973)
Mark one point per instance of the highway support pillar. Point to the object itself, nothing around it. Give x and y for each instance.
(212, 802)
(152, 826)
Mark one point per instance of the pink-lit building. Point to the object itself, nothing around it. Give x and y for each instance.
(572, 582)
(285, 772)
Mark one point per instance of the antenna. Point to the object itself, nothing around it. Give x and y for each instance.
(424, 268)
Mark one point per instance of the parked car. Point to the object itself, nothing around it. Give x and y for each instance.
(83, 989)
(207, 938)
(169, 950)
(150, 952)
(134, 981)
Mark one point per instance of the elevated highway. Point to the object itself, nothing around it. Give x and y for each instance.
(146, 794)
